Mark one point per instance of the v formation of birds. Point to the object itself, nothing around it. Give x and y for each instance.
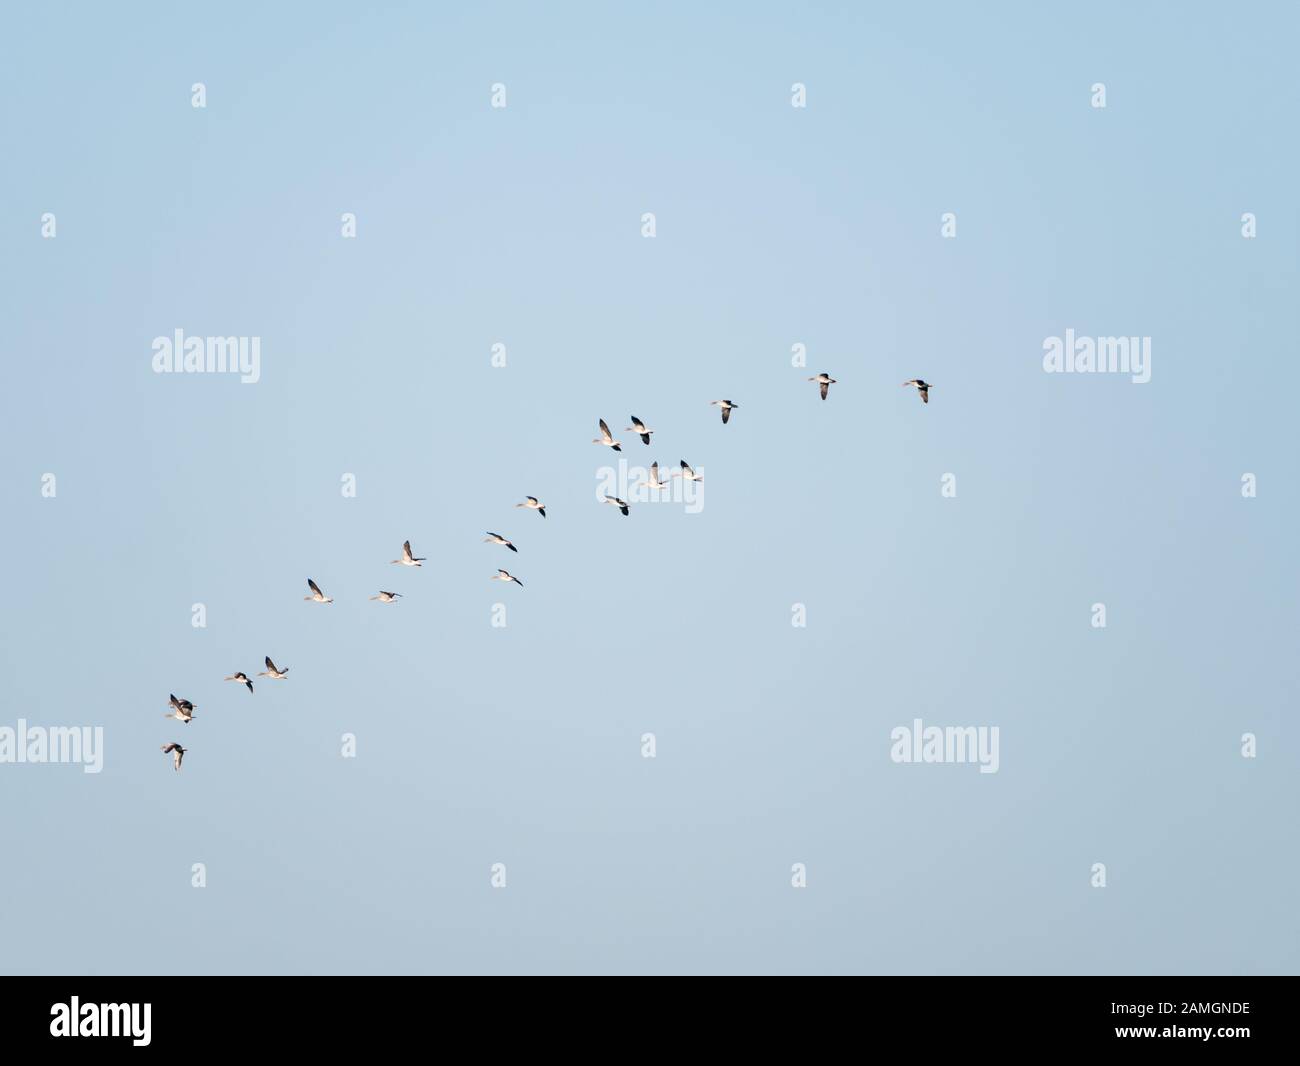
(182, 710)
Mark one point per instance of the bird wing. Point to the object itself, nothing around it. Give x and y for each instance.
(604, 431)
(726, 414)
(314, 587)
(826, 387)
(532, 498)
(270, 665)
(637, 424)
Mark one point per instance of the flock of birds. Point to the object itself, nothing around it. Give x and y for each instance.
(183, 710)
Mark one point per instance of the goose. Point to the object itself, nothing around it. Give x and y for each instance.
(614, 501)
(407, 558)
(921, 387)
(654, 482)
(497, 538)
(176, 752)
(242, 678)
(272, 672)
(639, 427)
(386, 597)
(727, 407)
(531, 502)
(182, 710)
(825, 381)
(506, 575)
(607, 438)
(688, 473)
(316, 594)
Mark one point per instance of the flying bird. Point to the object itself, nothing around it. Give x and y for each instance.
(654, 482)
(407, 558)
(639, 427)
(531, 502)
(242, 678)
(921, 387)
(182, 710)
(505, 575)
(316, 594)
(607, 438)
(614, 501)
(386, 597)
(272, 672)
(177, 753)
(497, 538)
(727, 407)
(688, 473)
(825, 381)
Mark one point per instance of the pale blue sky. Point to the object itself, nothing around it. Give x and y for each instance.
(775, 226)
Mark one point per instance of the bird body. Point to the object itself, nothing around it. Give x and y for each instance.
(689, 474)
(639, 428)
(182, 710)
(654, 482)
(825, 381)
(727, 407)
(922, 387)
(272, 672)
(607, 438)
(497, 538)
(407, 558)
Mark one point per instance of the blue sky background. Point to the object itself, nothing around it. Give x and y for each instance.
(775, 226)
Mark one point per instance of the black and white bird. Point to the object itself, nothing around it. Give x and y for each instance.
(639, 428)
(825, 381)
(533, 504)
(386, 597)
(497, 538)
(607, 438)
(506, 575)
(272, 672)
(654, 482)
(316, 595)
(922, 387)
(614, 501)
(176, 752)
(182, 710)
(727, 407)
(407, 558)
(689, 474)
(242, 678)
